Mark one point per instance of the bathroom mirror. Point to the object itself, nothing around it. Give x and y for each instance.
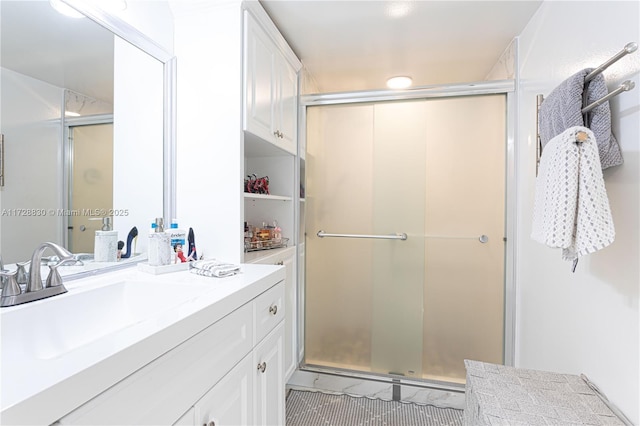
(114, 76)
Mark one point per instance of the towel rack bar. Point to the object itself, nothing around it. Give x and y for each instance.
(628, 48)
(624, 87)
(482, 238)
(402, 236)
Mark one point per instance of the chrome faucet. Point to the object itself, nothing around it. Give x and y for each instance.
(35, 279)
(12, 293)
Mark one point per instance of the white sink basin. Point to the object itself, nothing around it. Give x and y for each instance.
(51, 327)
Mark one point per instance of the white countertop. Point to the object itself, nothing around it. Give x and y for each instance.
(39, 389)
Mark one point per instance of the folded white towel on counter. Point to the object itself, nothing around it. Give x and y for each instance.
(571, 209)
(214, 268)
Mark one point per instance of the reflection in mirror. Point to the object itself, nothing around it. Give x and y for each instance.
(83, 119)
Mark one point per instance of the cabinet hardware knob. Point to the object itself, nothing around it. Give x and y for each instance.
(273, 309)
(262, 367)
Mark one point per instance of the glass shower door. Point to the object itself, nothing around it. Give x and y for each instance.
(435, 171)
(365, 285)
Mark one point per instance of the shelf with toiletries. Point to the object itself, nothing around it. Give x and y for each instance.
(275, 204)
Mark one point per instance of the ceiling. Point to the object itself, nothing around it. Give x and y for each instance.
(356, 45)
(346, 45)
(66, 52)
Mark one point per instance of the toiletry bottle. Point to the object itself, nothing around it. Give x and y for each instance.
(106, 243)
(159, 245)
(178, 241)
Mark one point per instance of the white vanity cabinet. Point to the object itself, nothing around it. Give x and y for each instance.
(271, 89)
(287, 258)
(253, 392)
(230, 373)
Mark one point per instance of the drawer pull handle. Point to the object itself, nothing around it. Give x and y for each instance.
(273, 309)
(279, 263)
(262, 367)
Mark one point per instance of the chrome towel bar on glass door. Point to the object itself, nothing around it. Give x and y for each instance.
(402, 236)
(482, 238)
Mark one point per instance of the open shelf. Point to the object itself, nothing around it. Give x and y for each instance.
(267, 197)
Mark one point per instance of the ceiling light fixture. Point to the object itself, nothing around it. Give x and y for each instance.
(398, 9)
(71, 114)
(65, 9)
(401, 82)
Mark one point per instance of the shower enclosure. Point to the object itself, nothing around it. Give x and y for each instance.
(405, 235)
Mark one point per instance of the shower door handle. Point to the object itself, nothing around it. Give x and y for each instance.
(403, 236)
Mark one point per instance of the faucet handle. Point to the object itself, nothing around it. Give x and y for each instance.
(54, 279)
(11, 287)
(21, 273)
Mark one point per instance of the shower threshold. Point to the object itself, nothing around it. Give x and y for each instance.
(387, 387)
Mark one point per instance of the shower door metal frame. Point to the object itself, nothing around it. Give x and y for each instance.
(504, 87)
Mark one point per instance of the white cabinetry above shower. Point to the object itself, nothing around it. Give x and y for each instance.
(270, 134)
(270, 89)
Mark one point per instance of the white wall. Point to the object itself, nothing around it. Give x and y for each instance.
(587, 321)
(137, 142)
(208, 44)
(31, 124)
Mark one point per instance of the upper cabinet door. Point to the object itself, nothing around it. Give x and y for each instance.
(259, 81)
(271, 90)
(287, 103)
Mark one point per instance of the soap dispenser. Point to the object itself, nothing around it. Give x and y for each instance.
(106, 243)
(159, 245)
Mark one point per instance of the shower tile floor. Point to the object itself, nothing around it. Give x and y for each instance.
(314, 408)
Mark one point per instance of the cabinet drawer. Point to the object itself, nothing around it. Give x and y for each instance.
(268, 311)
(163, 390)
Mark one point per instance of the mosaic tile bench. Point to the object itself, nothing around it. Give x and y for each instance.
(501, 395)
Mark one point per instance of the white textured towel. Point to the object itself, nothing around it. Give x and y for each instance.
(571, 209)
(214, 268)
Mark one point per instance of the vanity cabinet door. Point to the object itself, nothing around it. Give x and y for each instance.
(269, 379)
(230, 402)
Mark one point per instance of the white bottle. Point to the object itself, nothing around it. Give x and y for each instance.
(178, 240)
(159, 245)
(105, 248)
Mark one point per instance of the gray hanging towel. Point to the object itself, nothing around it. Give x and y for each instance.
(562, 109)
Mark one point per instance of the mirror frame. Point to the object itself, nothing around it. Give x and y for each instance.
(133, 36)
